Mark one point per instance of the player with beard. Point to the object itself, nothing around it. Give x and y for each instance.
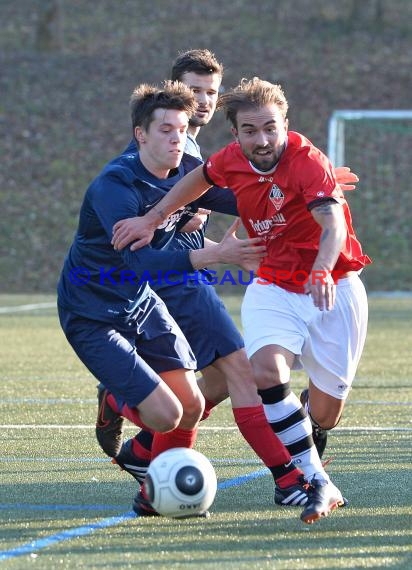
(307, 307)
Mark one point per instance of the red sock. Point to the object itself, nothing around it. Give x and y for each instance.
(291, 478)
(256, 430)
(132, 414)
(111, 400)
(140, 451)
(208, 409)
(178, 437)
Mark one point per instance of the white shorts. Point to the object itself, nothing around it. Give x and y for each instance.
(327, 344)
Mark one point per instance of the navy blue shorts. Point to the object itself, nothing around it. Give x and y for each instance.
(127, 362)
(203, 318)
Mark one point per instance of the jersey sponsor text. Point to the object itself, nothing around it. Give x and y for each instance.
(263, 226)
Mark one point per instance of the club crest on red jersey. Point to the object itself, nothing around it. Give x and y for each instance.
(276, 196)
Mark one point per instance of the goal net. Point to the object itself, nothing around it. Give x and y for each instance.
(377, 145)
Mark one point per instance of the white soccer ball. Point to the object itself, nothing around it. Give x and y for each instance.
(180, 482)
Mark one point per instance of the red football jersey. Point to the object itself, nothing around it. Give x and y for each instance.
(274, 206)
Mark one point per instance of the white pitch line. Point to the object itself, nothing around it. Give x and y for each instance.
(201, 428)
(30, 307)
(69, 401)
(88, 426)
(8, 459)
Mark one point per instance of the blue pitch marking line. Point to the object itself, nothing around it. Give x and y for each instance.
(35, 545)
(243, 479)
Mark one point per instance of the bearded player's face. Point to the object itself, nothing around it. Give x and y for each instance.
(262, 135)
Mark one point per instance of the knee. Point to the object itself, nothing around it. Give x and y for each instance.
(213, 385)
(215, 394)
(270, 368)
(166, 419)
(166, 424)
(326, 421)
(325, 412)
(267, 377)
(193, 409)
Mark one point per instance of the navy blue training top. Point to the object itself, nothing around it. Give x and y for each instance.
(196, 238)
(100, 283)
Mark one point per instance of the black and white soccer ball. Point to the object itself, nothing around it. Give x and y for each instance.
(180, 482)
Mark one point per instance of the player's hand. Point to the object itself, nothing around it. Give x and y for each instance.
(136, 231)
(247, 253)
(196, 222)
(345, 178)
(322, 288)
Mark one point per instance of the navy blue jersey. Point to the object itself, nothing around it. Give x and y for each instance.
(97, 281)
(216, 199)
(101, 283)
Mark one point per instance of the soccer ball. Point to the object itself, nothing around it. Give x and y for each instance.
(180, 482)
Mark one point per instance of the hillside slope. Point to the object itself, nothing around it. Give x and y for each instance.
(64, 102)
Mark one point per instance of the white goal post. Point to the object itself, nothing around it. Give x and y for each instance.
(377, 146)
(336, 128)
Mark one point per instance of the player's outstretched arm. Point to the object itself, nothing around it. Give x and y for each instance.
(345, 178)
(247, 253)
(139, 231)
